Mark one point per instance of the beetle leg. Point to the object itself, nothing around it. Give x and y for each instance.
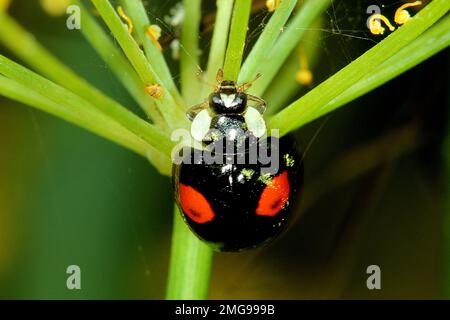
(194, 110)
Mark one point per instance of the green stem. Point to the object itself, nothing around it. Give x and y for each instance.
(218, 43)
(66, 98)
(431, 42)
(25, 46)
(136, 11)
(190, 264)
(89, 119)
(189, 58)
(266, 40)
(119, 65)
(313, 104)
(191, 259)
(285, 86)
(170, 110)
(287, 42)
(236, 42)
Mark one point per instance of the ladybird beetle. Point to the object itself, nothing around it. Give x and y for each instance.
(237, 190)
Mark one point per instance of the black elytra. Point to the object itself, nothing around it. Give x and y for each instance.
(235, 201)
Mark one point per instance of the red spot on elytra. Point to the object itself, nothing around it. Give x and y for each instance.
(274, 196)
(195, 205)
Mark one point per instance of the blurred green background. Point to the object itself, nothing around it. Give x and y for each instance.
(374, 193)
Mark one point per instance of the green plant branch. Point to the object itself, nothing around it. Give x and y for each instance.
(189, 57)
(89, 118)
(190, 264)
(287, 42)
(190, 259)
(171, 111)
(25, 46)
(284, 86)
(136, 11)
(266, 41)
(119, 65)
(218, 43)
(311, 106)
(236, 41)
(154, 137)
(435, 39)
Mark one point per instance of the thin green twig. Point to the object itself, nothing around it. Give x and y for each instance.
(89, 118)
(25, 46)
(136, 11)
(119, 65)
(287, 42)
(189, 58)
(431, 42)
(191, 259)
(171, 111)
(66, 98)
(313, 104)
(236, 41)
(284, 86)
(218, 42)
(266, 41)
(190, 264)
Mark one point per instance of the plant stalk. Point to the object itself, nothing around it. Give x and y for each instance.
(190, 264)
(311, 105)
(189, 57)
(236, 41)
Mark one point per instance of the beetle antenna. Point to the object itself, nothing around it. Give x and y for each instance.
(245, 86)
(200, 78)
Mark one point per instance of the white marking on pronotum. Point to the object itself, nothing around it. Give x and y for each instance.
(228, 100)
